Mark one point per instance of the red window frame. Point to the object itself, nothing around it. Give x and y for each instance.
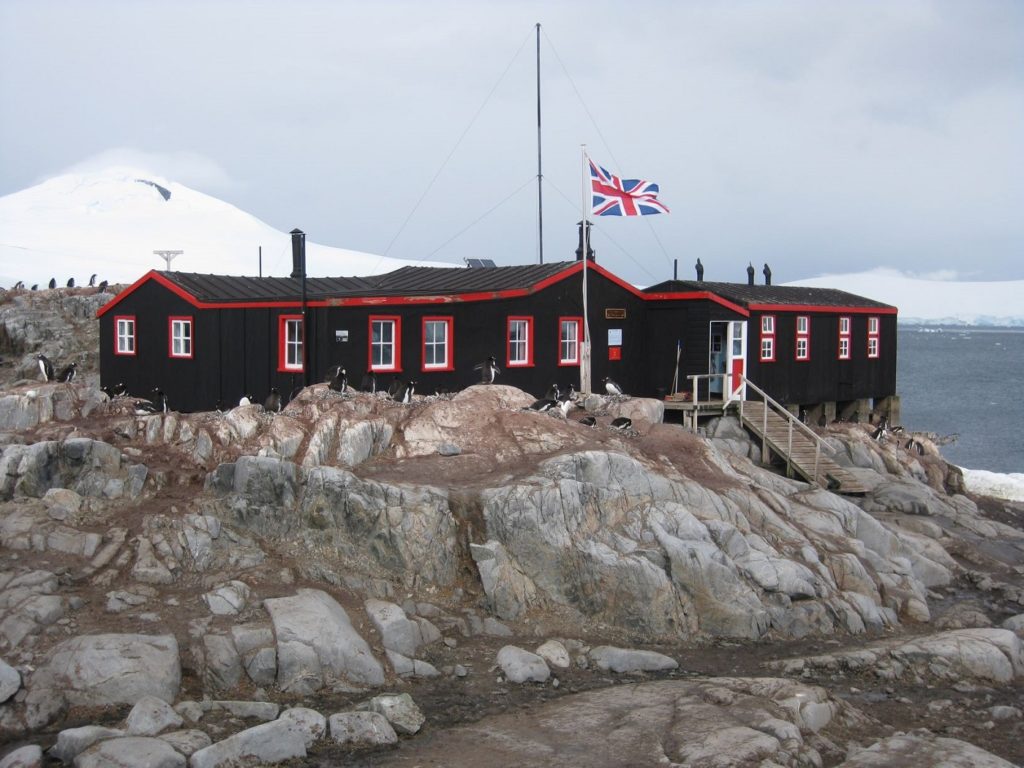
(528, 319)
(449, 349)
(767, 339)
(803, 336)
(191, 337)
(134, 335)
(396, 344)
(845, 338)
(564, 362)
(282, 344)
(874, 337)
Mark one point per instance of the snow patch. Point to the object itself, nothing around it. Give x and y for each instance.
(1009, 487)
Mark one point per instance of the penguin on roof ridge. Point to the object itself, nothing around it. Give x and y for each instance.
(71, 282)
(92, 280)
(53, 283)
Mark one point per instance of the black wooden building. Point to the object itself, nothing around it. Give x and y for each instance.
(209, 339)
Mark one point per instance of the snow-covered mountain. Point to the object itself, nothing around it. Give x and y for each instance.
(110, 222)
(934, 302)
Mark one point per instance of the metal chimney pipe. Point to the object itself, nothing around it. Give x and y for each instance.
(298, 253)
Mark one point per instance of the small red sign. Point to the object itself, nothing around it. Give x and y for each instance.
(614, 353)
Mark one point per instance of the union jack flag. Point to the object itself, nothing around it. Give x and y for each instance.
(613, 196)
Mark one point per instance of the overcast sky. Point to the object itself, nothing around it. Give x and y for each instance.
(816, 136)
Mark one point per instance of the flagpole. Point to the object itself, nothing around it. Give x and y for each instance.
(585, 357)
(540, 173)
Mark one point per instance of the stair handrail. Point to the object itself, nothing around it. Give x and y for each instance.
(695, 378)
(790, 418)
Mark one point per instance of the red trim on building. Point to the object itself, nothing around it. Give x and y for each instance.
(134, 336)
(579, 342)
(396, 344)
(528, 319)
(805, 337)
(767, 334)
(823, 310)
(282, 337)
(846, 336)
(191, 337)
(449, 350)
(876, 337)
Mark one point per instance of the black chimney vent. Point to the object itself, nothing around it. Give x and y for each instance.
(767, 275)
(750, 273)
(298, 253)
(579, 248)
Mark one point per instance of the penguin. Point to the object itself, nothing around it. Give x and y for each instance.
(45, 367)
(394, 388)
(621, 423)
(103, 286)
(369, 383)
(18, 286)
(822, 421)
(544, 404)
(119, 389)
(489, 370)
(832, 482)
(897, 430)
(92, 281)
(161, 399)
(565, 405)
(339, 381)
(71, 282)
(588, 421)
(67, 373)
(35, 286)
(571, 392)
(53, 283)
(879, 434)
(611, 387)
(553, 392)
(273, 401)
(700, 271)
(219, 406)
(246, 400)
(157, 405)
(405, 392)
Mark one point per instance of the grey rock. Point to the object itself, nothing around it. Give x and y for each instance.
(555, 654)
(150, 716)
(1014, 624)
(509, 590)
(258, 710)
(1004, 712)
(227, 599)
(10, 681)
(629, 660)
(521, 666)
(187, 742)
(71, 741)
(261, 665)
(223, 668)
(399, 709)
(190, 710)
(271, 742)
(923, 750)
(308, 722)
(361, 729)
(100, 670)
(131, 752)
(30, 756)
(317, 645)
(398, 633)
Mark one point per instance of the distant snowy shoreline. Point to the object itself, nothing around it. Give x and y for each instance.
(1009, 487)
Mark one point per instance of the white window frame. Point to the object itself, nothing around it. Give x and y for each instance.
(384, 352)
(292, 344)
(181, 337)
(844, 338)
(124, 334)
(569, 344)
(444, 344)
(520, 342)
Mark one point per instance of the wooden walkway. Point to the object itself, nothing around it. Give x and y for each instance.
(800, 459)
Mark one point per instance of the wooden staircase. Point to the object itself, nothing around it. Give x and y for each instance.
(803, 451)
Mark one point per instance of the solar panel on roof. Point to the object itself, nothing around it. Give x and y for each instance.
(487, 263)
(475, 263)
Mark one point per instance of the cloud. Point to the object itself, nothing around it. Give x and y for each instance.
(189, 168)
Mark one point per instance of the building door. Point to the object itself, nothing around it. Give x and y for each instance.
(716, 358)
(736, 354)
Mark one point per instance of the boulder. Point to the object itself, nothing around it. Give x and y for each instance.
(150, 716)
(227, 599)
(397, 632)
(10, 681)
(187, 742)
(628, 660)
(223, 666)
(317, 644)
(30, 756)
(521, 666)
(922, 750)
(362, 729)
(310, 723)
(555, 654)
(271, 742)
(399, 709)
(100, 670)
(131, 752)
(72, 741)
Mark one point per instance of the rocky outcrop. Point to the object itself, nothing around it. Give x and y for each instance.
(88, 467)
(922, 750)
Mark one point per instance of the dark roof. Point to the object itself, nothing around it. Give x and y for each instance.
(406, 281)
(745, 295)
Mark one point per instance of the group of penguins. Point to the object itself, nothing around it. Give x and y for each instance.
(883, 432)
(143, 406)
(66, 374)
(20, 285)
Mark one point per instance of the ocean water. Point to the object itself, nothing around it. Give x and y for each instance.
(968, 382)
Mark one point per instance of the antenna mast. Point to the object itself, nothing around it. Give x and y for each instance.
(168, 256)
(540, 175)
